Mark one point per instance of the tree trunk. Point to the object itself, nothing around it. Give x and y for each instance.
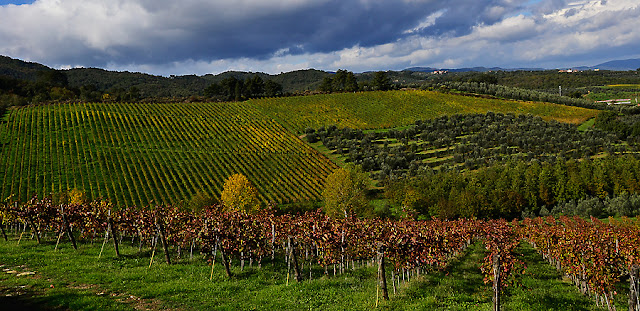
(294, 258)
(2, 228)
(112, 229)
(68, 229)
(164, 240)
(382, 277)
(225, 263)
(35, 230)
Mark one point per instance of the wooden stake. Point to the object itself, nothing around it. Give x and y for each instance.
(225, 262)
(296, 269)
(33, 227)
(496, 282)
(213, 264)
(153, 250)
(2, 228)
(58, 241)
(382, 277)
(68, 228)
(20, 239)
(106, 236)
(163, 240)
(634, 283)
(112, 229)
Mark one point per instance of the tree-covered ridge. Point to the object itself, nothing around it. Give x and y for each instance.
(135, 154)
(378, 109)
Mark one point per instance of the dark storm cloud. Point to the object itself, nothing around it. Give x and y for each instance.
(198, 36)
(168, 31)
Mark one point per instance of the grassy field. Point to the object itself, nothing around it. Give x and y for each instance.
(134, 154)
(374, 110)
(79, 280)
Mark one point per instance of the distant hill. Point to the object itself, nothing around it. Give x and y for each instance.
(470, 69)
(621, 65)
(301, 80)
(156, 86)
(19, 69)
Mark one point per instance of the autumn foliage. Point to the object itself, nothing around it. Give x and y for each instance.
(240, 194)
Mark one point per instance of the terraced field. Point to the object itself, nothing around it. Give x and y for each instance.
(135, 154)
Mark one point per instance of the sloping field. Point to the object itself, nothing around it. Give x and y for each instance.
(370, 110)
(160, 153)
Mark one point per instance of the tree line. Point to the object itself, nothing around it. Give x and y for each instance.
(596, 187)
(345, 81)
(234, 89)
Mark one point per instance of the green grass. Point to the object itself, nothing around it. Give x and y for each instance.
(378, 110)
(81, 281)
(587, 125)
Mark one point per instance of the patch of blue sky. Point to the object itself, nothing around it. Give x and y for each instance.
(527, 8)
(16, 2)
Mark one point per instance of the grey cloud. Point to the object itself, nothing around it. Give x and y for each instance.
(165, 31)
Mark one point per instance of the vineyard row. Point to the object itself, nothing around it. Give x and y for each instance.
(594, 254)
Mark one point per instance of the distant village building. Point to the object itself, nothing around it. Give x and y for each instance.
(625, 101)
(569, 70)
(440, 72)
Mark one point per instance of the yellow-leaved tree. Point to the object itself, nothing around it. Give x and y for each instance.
(345, 192)
(240, 194)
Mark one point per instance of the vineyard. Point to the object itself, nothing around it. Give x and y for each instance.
(369, 110)
(135, 154)
(600, 258)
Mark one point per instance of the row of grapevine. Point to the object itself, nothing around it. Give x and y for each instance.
(374, 110)
(136, 154)
(315, 240)
(308, 240)
(595, 255)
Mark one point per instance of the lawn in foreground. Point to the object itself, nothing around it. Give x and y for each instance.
(82, 281)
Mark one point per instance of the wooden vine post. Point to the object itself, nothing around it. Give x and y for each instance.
(294, 259)
(382, 277)
(32, 224)
(163, 239)
(634, 290)
(496, 282)
(113, 234)
(2, 228)
(65, 223)
(225, 263)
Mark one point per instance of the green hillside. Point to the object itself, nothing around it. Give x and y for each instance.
(170, 153)
(161, 153)
(368, 110)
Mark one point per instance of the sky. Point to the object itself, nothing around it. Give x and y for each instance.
(168, 37)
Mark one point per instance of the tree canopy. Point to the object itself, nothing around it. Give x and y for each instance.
(240, 194)
(345, 192)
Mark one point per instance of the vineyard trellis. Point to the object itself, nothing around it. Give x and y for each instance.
(594, 254)
(137, 154)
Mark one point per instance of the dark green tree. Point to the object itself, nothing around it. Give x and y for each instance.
(254, 87)
(52, 78)
(351, 84)
(272, 89)
(213, 90)
(327, 85)
(381, 82)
